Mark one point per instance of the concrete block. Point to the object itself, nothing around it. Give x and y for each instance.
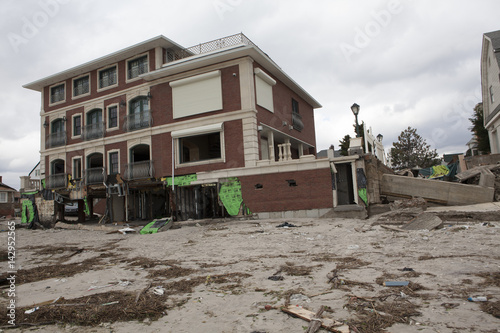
(423, 221)
(487, 178)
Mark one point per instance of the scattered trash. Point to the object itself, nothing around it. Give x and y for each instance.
(159, 291)
(309, 316)
(31, 310)
(403, 295)
(286, 225)
(477, 299)
(99, 287)
(407, 269)
(353, 247)
(124, 283)
(156, 226)
(449, 306)
(296, 298)
(127, 230)
(276, 278)
(396, 283)
(110, 303)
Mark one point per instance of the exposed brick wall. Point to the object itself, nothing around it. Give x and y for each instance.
(313, 191)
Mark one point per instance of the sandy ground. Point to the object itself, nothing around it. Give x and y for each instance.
(224, 269)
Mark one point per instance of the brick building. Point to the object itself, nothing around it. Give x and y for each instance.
(212, 130)
(9, 200)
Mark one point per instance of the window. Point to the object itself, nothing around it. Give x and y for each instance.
(197, 94)
(94, 128)
(296, 117)
(200, 147)
(3, 197)
(81, 86)
(57, 93)
(114, 167)
(492, 98)
(264, 89)
(137, 67)
(77, 168)
(77, 125)
(113, 116)
(57, 136)
(107, 77)
(139, 114)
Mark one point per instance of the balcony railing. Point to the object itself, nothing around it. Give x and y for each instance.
(93, 131)
(95, 175)
(57, 181)
(30, 184)
(137, 121)
(214, 45)
(56, 140)
(107, 81)
(135, 71)
(81, 89)
(139, 170)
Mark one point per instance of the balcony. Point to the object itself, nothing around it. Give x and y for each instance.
(28, 184)
(57, 181)
(139, 170)
(137, 121)
(173, 55)
(95, 176)
(93, 131)
(56, 140)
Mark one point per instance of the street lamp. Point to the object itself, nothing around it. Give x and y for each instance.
(355, 111)
(380, 137)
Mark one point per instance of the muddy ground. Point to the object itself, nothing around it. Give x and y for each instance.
(237, 275)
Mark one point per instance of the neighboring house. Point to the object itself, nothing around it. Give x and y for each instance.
(472, 147)
(32, 182)
(490, 85)
(9, 199)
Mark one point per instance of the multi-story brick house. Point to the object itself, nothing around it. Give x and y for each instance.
(218, 117)
(490, 86)
(9, 200)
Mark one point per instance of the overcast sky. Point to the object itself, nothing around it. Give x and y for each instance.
(406, 63)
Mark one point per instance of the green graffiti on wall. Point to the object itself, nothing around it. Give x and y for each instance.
(230, 195)
(27, 208)
(362, 194)
(87, 209)
(182, 180)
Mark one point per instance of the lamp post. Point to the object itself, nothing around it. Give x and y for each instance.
(380, 137)
(355, 111)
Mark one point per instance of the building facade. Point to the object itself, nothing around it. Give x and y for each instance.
(160, 130)
(490, 86)
(9, 200)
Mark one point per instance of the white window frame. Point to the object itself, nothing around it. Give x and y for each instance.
(132, 59)
(73, 166)
(73, 86)
(202, 130)
(6, 197)
(73, 136)
(108, 160)
(264, 89)
(109, 129)
(50, 93)
(99, 88)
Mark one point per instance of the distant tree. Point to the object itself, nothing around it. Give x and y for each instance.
(412, 151)
(479, 131)
(344, 144)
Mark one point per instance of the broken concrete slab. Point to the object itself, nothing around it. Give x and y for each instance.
(427, 221)
(463, 176)
(435, 191)
(487, 178)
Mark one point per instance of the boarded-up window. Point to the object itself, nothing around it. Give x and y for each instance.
(197, 94)
(264, 89)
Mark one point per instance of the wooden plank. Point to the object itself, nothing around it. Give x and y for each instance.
(392, 228)
(327, 323)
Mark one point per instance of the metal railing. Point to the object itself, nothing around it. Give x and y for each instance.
(81, 89)
(214, 45)
(139, 170)
(107, 81)
(57, 97)
(93, 131)
(56, 140)
(137, 121)
(95, 175)
(56, 181)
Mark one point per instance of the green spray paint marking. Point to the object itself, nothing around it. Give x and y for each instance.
(230, 195)
(182, 180)
(27, 204)
(362, 194)
(87, 209)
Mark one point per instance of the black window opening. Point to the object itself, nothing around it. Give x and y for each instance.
(297, 123)
(113, 163)
(77, 125)
(77, 168)
(200, 148)
(113, 117)
(57, 94)
(107, 77)
(81, 86)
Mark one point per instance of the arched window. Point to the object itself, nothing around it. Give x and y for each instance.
(139, 115)
(94, 128)
(57, 136)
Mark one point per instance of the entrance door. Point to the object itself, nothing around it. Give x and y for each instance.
(345, 193)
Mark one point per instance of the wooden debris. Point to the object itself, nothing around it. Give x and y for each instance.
(315, 323)
(388, 227)
(426, 221)
(327, 323)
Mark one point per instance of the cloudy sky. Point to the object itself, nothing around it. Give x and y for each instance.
(405, 62)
